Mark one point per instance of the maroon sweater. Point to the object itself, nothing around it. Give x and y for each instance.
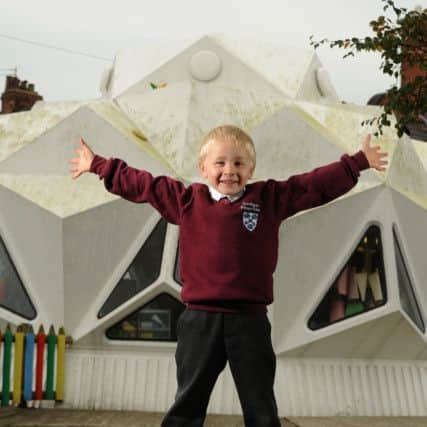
(228, 252)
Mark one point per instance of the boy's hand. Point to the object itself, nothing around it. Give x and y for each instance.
(82, 162)
(375, 158)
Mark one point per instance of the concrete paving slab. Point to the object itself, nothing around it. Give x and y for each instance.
(19, 417)
(359, 421)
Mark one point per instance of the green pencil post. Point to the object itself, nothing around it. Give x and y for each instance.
(7, 363)
(50, 369)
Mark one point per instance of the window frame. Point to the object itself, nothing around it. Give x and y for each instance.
(157, 224)
(338, 271)
(21, 282)
(139, 341)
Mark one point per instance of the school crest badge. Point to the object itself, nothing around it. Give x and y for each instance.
(250, 220)
(250, 215)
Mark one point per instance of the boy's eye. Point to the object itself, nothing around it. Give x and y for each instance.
(219, 162)
(238, 163)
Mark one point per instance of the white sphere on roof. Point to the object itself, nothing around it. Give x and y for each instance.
(205, 65)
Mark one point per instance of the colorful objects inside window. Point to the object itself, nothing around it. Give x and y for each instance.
(155, 321)
(406, 290)
(143, 271)
(359, 287)
(13, 296)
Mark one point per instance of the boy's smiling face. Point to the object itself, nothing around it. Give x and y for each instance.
(227, 166)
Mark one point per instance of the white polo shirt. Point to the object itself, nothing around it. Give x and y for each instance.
(216, 195)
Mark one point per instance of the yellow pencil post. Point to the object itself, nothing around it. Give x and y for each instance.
(60, 362)
(17, 366)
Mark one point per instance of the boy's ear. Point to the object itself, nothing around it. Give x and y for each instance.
(202, 168)
(252, 172)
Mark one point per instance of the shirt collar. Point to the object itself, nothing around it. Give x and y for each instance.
(216, 195)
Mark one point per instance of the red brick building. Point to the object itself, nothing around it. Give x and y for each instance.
(18, 96)
(409, 72)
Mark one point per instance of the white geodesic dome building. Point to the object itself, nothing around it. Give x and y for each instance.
(349, 313)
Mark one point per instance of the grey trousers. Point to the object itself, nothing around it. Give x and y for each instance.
(206, 341)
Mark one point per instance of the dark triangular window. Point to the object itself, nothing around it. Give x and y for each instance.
(406, 290)
(359, 286)
(155, 321)
(143, 271)
(13, 296)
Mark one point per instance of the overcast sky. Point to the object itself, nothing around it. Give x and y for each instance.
(101, 27)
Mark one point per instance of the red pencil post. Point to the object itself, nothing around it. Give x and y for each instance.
(41, 340)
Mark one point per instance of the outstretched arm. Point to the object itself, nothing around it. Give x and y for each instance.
(328, 182)
(165, 194)
(83, 161)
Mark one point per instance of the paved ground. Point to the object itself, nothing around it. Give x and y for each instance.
(16, 417)
(360, 422)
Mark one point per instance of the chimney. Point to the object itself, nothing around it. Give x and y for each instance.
(18, 96)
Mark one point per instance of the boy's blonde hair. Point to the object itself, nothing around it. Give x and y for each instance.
(228, 133)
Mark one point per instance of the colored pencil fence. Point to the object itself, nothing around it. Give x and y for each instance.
(28, 363)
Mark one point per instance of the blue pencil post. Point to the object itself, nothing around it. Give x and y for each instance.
(28, 367)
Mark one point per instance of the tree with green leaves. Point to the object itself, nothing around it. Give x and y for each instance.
(402, 41)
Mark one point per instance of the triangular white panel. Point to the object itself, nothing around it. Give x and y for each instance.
(286, 145)
(172, 71)
(33, 237)
(309, 87)
(344, 125)
(19, 129)
(388, 337)
(141, 273)
(40, 171)
(60, 195)
(13, 294)
(407, 173)
(131, 64)
(323, 239)
(408, 297)
(421, 150)
(411, 224)
(162, 115)
(245, 105)
(99, 245)
(49, 155)
(283, 66)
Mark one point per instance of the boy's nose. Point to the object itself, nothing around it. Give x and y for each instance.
(229, 168)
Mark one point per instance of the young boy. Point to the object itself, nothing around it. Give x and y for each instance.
(228, 253)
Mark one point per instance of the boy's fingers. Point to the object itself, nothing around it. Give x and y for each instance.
(382, 166)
